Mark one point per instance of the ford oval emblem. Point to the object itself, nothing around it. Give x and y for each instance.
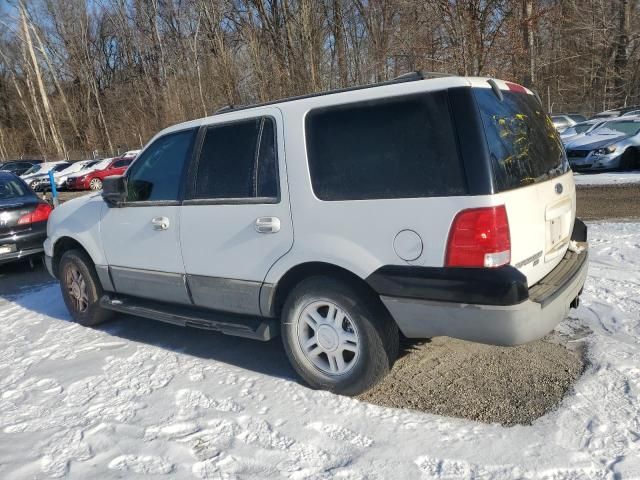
(558, 188)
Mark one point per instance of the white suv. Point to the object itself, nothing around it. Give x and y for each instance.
(428, 207)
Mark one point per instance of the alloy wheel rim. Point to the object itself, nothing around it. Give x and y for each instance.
(328, 338)
(95, 184)
(77, 288)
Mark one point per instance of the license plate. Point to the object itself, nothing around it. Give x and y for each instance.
(555, 231)
(7, 249)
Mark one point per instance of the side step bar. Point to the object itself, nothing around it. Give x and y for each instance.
(256, 328)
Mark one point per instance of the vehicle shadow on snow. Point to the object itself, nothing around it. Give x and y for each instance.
(45, 298)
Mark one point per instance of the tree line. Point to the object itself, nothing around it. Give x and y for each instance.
(84, 75)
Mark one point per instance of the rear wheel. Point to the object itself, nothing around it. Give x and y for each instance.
(95, 184)
(81, 289)
(337, 337)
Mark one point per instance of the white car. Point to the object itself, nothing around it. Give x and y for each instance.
(131, 153)
(429, 207)
(39, 172)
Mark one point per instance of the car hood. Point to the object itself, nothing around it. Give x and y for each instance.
(591, 142)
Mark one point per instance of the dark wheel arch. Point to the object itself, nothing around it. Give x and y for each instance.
(62, 245)
(273, 297)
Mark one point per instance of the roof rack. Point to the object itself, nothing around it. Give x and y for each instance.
(406, 77)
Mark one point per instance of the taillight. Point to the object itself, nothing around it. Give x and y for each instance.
(40, 214)
(479, 237)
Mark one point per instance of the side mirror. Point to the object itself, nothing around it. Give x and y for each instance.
(114, 190)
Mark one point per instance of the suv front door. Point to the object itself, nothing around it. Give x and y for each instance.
(236, 220)
(141, 238)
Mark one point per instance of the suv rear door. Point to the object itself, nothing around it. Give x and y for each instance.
(236, 219)
(141, 238)
(531, 177)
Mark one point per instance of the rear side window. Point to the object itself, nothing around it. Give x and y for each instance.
(523, 143)
(238, 160)
(402, 147)
(157, 173)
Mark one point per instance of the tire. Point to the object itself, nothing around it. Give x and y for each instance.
(85, 310)
(365, 339)
(629, 160)
(33, 185)
(95, 184)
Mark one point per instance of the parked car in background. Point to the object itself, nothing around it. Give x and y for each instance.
(463, 228)
(562, 121)
(131, 154)
(616, 112)
(23, 219)
(39, 172)
(580, 129)
(18, 167)
(631, 113)
(61, 176)
(613, 145)
(93, 179)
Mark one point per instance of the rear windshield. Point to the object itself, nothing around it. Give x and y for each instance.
(12, 188)
(523, 143)
(402, 147)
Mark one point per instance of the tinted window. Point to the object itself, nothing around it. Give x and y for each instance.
(59, 168)
(11, 188)
(121, 163)
(395, 148)
(524, 145)
(238, 160)
(157, 173)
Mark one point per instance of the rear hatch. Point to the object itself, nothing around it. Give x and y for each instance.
(11, 210)
(531, 177)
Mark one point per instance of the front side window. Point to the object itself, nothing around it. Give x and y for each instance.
(121, 163)
(238, 160)
(157, 174)
(402, 147)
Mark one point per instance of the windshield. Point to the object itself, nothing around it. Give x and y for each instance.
(628, 127)
(102, 164)
(90, 164)
(11, 188)
(525, 147)
(34, 169)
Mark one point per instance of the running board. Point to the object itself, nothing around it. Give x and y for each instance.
(256, 328)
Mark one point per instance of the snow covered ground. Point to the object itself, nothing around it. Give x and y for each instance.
(606, 178)
(139, 398)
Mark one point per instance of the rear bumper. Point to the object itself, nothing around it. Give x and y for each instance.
(492, 324)
(511, 323)
(26, 243)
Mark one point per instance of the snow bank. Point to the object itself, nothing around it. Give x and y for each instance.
(606, 178)
(139, 398)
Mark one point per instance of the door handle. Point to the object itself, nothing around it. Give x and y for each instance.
(160, 223)
(267, 225)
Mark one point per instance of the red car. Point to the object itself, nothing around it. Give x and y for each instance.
(93, 179)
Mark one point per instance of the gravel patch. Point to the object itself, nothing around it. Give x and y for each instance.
(506, 385)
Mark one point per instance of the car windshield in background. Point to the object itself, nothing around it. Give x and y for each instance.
(523, 143)
(581, 127)
(631, 127)
(34, 169)
(12, 188)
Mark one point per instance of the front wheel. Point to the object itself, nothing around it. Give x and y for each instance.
(95, 184)
(81, 289)
(337, 337)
